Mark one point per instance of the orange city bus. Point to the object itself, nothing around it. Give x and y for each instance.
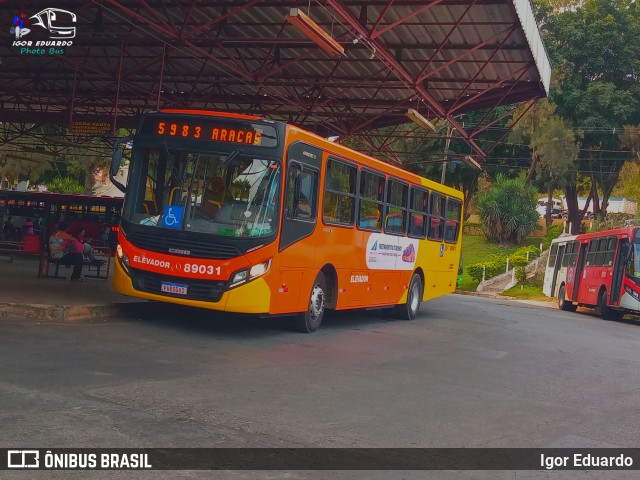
(238, 213)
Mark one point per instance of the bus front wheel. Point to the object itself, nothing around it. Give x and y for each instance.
(309, 321)
(563, 303)
(409, 310)
(606, 312)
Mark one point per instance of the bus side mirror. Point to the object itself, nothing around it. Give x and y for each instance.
(116, 161)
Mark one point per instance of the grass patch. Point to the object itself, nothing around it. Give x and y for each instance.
(475, 249)
(528, 292)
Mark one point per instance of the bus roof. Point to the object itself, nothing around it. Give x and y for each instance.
(629, 231)
(564, 238)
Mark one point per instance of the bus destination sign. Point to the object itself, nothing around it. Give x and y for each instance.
(245, 134)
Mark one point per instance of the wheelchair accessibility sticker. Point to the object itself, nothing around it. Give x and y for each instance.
(172, 217)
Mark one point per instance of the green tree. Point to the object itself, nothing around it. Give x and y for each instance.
(65, 185)
(629, 184)
(558, 148)
(528, 129)
(594, 47)
(630, 138)
(508, 210)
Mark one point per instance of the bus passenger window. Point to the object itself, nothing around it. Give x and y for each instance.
(452, 226)
(339, 193)
(418, 216)
(396, 217)
(371, 198)
(611, 251)
(591, 253)
(437, 213)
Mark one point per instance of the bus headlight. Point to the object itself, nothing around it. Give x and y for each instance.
(123, 258)
(248, 274)
(631, 292)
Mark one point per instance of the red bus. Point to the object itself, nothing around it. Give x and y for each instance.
(238, 213)
(602, 271)
(92, 213)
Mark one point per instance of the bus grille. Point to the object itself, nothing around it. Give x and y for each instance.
(207, 290)
(169, 240)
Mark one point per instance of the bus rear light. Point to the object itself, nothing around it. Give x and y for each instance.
(631, 292)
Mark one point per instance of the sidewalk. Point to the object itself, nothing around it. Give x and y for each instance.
(23, 295)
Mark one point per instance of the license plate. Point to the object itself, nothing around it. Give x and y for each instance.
(177, 288)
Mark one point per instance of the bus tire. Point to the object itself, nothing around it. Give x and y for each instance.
(606, 312)
(409, 310)
(310, 320)
(563, 303)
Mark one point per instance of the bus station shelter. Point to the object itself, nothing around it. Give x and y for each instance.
(336, 67)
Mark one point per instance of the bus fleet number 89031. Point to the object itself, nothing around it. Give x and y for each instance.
(202, 269)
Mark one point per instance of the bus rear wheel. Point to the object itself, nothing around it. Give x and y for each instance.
(563, 303)
(309, 321)
(409, 310)
(606, 312)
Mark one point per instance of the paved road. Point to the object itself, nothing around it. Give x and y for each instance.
(468, 372)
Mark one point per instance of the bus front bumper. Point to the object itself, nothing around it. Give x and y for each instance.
(253, 297)
(630, 303)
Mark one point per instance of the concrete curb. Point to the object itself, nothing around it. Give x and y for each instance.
(72, 313)
(484, 295)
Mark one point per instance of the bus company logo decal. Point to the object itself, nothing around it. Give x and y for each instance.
(389, 252)
(59, 25)
(180, 251)
(359, 278)
(154, 262)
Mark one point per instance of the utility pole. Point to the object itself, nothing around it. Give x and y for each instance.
(446, 152)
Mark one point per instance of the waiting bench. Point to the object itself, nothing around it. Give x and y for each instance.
(101, 270)
(10, 248)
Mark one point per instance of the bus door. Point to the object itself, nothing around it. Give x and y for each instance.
(577, 277)
(299, 217)
(624, 247)
(556, 268)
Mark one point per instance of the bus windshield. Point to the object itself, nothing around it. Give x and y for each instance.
(222, 194)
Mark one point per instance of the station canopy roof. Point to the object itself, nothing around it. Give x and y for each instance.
(440, 57)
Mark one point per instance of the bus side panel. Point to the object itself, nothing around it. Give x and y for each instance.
(295, 275)
(286, 293)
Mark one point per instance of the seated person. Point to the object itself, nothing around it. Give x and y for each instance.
(67, 250)
(213, 197)
(87, 251)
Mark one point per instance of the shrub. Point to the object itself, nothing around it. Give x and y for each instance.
(554, 231)
(475, 271)
(497, 264)
(521, 275)
(508, 210)
(518, 261)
